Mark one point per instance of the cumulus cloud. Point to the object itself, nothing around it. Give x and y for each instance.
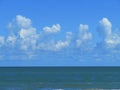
(83, 28)
(105, 27)
(113, 40)
(23, 32)
(25, 41)
(56, 45)
(62, 44)
(18, 23)
(23, 22)
(84, 35)
(54, 29)
(110, 38)
(28, 38)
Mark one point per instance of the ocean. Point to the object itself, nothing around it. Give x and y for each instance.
(59, 78)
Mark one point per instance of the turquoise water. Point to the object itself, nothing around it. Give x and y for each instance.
(59, 78)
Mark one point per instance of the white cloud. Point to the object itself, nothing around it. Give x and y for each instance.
(28, 38)
(105, 27)
(18, 23)
(61, 44)
(28, 42)
(54, 29)
(24, 31)
(83, 28)
(53, 45)
(56, 45)
(84, 35)
(113, 40)
(23, 22)
(64, 44)
(2, 41)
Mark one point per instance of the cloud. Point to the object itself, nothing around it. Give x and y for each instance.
(83, 28)
(18, 23)
(113, 40)
(28, 38)
(53, 45)
(105, 27)
(23, 33)
(27, 42)
(83, 35)
(54, 29)
(23, 22)
(110, 38)
(62, 44)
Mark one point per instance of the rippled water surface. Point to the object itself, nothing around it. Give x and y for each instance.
(59, 78)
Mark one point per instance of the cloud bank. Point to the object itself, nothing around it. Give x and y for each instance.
(27, 42)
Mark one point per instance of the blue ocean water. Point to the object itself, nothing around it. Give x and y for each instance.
(59, 78)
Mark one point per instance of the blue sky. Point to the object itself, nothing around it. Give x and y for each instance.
(59, 33)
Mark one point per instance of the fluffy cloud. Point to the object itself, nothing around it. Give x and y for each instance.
(23, 33)
(18, 23)
(110, 38)
(54, 29)
(56, 45)
(83, 28)
(84, 35)
(113, 40)
(105, 27)
(62, 44)
(23, 22)
(25, 42)
(28, 38)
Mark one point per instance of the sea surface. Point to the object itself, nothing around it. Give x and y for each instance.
(59, 78)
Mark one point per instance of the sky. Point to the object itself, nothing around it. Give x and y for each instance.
(59, 33)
